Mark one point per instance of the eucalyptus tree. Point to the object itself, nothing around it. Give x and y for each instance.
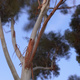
(46, 55)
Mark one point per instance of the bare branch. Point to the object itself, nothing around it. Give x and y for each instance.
(64, 7)
(43, 28)
(63, 1)
(44, 68)
(18, 53)
(39, 3)
(6, 53)
(6, 31)
(39, 20)
(55, 3)
(34, 33)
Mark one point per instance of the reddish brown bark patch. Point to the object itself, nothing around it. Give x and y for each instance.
(13, 34)
(28, 53)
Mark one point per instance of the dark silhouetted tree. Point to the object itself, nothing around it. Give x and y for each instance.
(73, 35)
(74, 77)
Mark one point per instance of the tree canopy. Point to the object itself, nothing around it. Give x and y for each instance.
(73, 35)
(10, 8)
(74, 77)
(52, 46)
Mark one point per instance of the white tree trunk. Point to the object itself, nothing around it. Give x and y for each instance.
(26, 73)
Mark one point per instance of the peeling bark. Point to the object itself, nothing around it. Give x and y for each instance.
(39, 20)
(26, 73)
(43, 28)
(34, 33)
(18, 53)
(28, 53)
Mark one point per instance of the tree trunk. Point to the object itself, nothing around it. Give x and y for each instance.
(26, 73)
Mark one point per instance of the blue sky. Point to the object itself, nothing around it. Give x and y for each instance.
(57, 23)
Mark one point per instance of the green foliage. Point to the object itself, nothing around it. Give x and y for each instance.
(77, 12)
(64, 10)
(78, 59)
(74, 77)
(73, 36)
(10, 8)
(50, 44)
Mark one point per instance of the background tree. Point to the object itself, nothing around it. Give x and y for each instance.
(74, 77)
(56, 49)
(10, 9)
(73, 35)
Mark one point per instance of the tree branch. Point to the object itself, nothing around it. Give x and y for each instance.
(44, 68)
(18, 53)
(64, 7)
(34, 33)
(43, 28)
(39, 20)
(6, 53)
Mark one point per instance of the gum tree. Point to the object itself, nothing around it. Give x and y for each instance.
(57, 45)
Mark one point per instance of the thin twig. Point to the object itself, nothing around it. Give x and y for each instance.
(63, 2)
(64, 7)
(44, 68)
(55, 3)
(6, 31)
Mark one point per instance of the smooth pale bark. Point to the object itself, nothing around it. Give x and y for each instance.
(8, 59)
(39, 20)
(44, 68)
(34, 32)
(26, 73)
(43, 28)
(13, 35)
(43, 14)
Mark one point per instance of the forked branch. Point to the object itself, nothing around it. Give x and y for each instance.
(43, 28)
(34, 33)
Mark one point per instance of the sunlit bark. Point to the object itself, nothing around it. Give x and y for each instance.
(6, 53)
(34, 32)
(32, 46)
(26, 73)
(13, 35)
(43, 28)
